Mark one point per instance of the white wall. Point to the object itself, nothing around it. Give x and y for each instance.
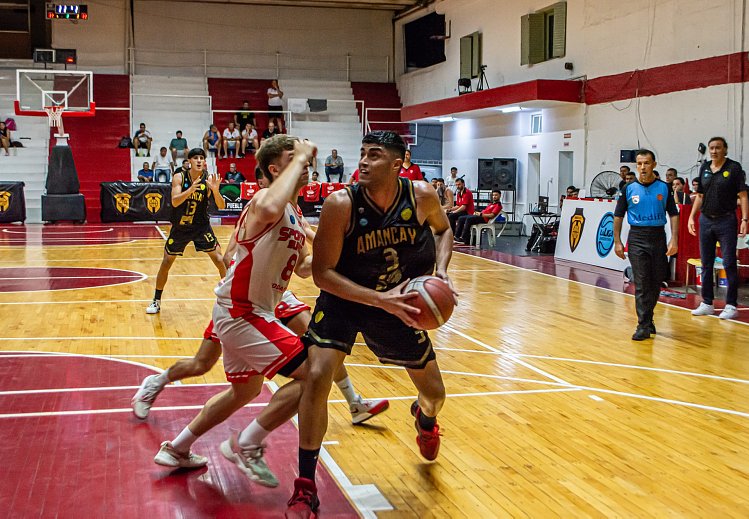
(239, 38)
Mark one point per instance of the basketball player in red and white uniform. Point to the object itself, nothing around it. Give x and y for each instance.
(247, 318)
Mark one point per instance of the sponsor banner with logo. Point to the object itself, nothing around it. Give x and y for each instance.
(232, 195)
(135, 201)
(586, 233)
(12, 202)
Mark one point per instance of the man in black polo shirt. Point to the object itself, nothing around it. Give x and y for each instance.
(719, 183)
(646, 202)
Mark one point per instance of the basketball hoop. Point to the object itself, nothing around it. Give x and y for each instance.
(55, 116)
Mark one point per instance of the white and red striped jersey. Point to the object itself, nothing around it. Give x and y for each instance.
(263, 265)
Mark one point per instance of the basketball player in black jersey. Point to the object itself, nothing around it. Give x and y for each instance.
(190, 222)
(372, 238)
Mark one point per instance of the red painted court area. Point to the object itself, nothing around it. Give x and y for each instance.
(31, 279)
(62, 234)
(72, 448)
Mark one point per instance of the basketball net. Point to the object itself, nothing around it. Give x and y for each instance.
(55, 118)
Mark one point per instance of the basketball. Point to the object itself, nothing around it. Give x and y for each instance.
(435, 300)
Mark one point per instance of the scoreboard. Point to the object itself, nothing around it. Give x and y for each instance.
(67, 12)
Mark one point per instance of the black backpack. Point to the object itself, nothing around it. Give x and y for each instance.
(125, 142)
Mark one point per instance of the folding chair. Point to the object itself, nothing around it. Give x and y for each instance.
(495, 226)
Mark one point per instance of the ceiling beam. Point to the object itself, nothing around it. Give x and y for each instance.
(382, 5)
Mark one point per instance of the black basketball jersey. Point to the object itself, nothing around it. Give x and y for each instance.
(193, 212)
(380, 249)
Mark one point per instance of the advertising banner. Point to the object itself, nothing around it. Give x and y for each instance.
(135, 201)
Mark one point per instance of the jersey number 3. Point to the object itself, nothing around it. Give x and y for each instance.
(393, 274)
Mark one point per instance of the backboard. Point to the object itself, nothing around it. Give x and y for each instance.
(73, 91)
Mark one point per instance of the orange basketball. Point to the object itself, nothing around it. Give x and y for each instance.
(435, 300)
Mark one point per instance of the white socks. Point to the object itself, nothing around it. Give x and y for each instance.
(347, 388)
(184, 441)
(162, 378)
(252, 436)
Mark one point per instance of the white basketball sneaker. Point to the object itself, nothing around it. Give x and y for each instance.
(729, 312)
(704, 309)
(154, 307)
(145, 396)
(363, 410)
(250, 461)
(169, 457)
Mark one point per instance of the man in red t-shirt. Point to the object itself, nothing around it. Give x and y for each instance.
(463, 203)
(463, 228)
(354, 178)
(409, 169)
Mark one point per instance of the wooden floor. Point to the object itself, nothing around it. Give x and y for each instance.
(552, 410)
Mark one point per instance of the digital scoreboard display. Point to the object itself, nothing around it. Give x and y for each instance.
(67, 12)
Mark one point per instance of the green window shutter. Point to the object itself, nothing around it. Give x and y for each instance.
(536, 36)
(560, 30)
(465, 56)
(525, 36)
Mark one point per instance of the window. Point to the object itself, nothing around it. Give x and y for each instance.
(536, 124)
(543, 34)
(470, 55)
(14, 16)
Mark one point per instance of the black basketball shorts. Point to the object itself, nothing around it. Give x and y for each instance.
(335, 323)
(202, 237)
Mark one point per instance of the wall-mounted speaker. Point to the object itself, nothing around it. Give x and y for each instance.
(497, 174)
(628, 156)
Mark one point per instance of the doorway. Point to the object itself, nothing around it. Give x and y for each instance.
(565, 174)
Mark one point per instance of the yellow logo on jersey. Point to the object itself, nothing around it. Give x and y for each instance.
(170, 241)
(407, 213)
(318, 316)
(122, 202)
(153, 202)
(5, 197)
(726, 174)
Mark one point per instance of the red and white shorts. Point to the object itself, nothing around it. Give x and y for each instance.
(289, 307)
(256, 343)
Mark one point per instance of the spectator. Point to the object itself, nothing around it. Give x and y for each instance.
(334, 165)
(244, 116)
(269, 132)
(631, 177)
(142, 139)
(233, 176)
(623, 170)
(184, 168)
(568, 194)
(450, 182)
(671, 175)
(354, 177)
(315, 176)
(145, 174)
(163, 165)
(447, 198)
(465, 222)
(463, 203)
(231, 141)
(5, 137)
(249, 139)
(410, 170)
(212, 141)
(178, 145)
(275, 105)
(693, 194)
(680, 197)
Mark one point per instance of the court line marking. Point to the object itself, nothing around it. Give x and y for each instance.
(592, 286)
(74, 277)
(158, 228)
(142, 278)
(101, 301)
(46, 233)
(78, 261)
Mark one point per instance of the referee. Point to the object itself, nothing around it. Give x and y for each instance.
(646, 202)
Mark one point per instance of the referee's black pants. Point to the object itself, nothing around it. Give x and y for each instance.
(647, 254)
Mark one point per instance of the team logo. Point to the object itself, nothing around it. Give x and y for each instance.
(5, 197)
(363, 222)
(577, 223)
(659, 197)
(726, 174)
(122, 202)
(605, 235)
(153, 202)
(407, 213)
(318, 316)
(292, 219)
(636, 199)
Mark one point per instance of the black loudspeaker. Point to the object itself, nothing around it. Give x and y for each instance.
(64, 207)
(62, 177)
(497, 174)
(628, 156)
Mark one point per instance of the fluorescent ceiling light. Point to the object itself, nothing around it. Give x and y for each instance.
(447, 119)
(510, 109)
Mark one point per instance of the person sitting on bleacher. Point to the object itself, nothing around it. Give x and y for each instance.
(178, 145)
(163, 166)
(142, 139)
(315, 177)
(233, 176)
(231, 141)
(463, 227)
(145, 174)
(249, 139)
(269, 132)
(244, 116)
(212, 140)
(5, 138)
(183, 168)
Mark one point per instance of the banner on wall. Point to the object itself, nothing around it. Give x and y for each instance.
(586, 233)
(232, 195)
(12, 202)
(135, 201)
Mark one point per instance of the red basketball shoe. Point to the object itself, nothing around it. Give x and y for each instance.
(303, 503)
(428, 441)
